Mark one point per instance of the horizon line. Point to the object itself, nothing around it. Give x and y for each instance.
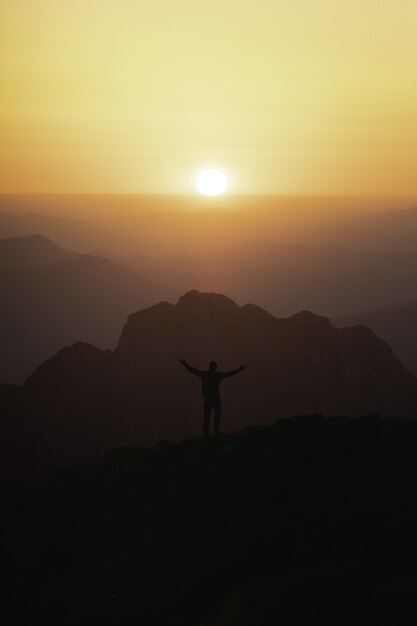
(208, 198)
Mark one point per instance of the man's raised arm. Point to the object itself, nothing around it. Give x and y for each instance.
(233, 372)
(190, 369)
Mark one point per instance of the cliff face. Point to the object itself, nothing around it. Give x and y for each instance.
(84, 400)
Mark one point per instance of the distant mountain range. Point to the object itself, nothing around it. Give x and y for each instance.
(285, 278)
(185, 228)
(83, 400)
(52, 297)
(387, 231)
(30, 252)
(152, 233)
(397, 325)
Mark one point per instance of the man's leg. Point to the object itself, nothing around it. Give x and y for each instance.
(217, 414)
(207, 411)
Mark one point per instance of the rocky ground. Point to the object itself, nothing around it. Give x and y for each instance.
(310, 518)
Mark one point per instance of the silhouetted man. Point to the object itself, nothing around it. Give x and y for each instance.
(211, 380)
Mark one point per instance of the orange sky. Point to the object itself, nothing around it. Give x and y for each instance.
(136, 96)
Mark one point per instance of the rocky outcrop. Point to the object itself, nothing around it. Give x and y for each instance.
(294, 364)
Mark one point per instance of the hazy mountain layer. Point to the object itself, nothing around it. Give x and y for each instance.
(87, 298)
(152, 233)
(31, 252)
(397, 325)
(45, 307)
(386, 231)
(170, 225)
(285, 278)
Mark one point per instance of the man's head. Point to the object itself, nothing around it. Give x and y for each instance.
(213, 366)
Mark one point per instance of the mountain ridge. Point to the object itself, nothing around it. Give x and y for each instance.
(84, 297)
(281, 278)
(31, 252)
(84, 399)
(396, 324)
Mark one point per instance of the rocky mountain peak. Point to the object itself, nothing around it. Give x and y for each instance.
(306, 320)
(195, 301)
(70, 367)
(140, 392)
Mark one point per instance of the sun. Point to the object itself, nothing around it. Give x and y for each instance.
(212, 182)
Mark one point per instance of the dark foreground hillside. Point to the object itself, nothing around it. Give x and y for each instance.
(310, 518)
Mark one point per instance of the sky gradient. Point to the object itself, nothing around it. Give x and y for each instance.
(300, 97)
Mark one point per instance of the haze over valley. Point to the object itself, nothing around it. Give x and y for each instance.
(66, 280)
(171, 225)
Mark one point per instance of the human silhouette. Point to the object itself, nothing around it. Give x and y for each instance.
(211, 380)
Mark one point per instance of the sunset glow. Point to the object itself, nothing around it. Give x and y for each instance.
(297, 97)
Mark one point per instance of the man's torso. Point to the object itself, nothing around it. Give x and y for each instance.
(210, 384)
